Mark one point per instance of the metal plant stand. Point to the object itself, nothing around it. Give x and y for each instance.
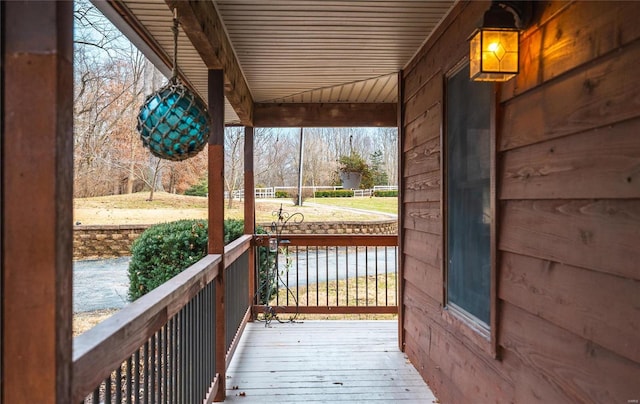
(278, 225)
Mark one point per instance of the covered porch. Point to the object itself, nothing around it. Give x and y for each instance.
(554, 315)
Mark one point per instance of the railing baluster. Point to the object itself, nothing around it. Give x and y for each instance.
(286, 266)
(208, 330)
(174, 359)
(376, 250)
(395, 266)
(366, 275)
(146, 373)
(95, 399)
(183, 357)
(317, 280)
(326, 256)
(201, 345)
(198, 348)
(356, 275)
(119, 384)
(297, 277)
(189, 346)
(337, 279)
(346, 256)
(386, 277)
(129, 373)
(152, 370)
(195, 351)
(306, 251)
(136, 379)
(107, 390)
(162, 355)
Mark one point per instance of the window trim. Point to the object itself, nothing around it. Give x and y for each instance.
(462, 322)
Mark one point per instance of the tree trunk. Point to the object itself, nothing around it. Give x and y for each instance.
(154, 181)
(130, 177)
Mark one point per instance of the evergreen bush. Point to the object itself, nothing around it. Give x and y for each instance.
(163, 251)
(339, 193)
(199, 189)
(166, 249)
(266, 261)
(386, 194)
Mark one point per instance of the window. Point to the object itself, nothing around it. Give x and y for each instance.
(468, 196)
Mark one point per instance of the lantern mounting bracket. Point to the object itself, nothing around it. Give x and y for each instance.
(508, 14)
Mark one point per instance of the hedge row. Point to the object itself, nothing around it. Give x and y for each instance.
(340, 193)
(386, 194)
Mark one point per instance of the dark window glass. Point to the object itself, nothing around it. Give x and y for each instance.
(468, 188)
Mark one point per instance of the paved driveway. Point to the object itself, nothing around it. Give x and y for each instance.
(100, 284)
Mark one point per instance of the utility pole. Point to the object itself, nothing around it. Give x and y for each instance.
(301, 161)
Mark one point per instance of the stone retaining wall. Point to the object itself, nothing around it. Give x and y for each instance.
(115, 241)
(104, 241)
(370, 227)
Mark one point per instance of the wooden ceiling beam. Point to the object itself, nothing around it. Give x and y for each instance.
(290, 115)
(202, 24)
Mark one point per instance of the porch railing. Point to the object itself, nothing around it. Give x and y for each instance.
(162, 347)
(331, 274)
(172, 346)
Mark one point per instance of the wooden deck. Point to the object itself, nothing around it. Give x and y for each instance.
(323, 362)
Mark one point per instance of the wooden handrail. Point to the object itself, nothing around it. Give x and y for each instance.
(104, 347)
(332, 240)
(236, 248)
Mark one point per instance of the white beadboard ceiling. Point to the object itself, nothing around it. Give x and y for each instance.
(301, 51)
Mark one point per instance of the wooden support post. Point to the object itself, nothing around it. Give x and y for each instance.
(37, 191)
(249, 206)
(400, 274)
(216, 214)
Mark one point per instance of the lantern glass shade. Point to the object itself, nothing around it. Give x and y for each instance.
(494, 54)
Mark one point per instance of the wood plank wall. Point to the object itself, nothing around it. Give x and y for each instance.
(569, 213)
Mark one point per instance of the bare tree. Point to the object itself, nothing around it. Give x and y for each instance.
(233, 160)
(389, 147)
(276, 156)
(319, 165)
(112, 78)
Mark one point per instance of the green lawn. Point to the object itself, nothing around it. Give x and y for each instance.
(386, 205)
(136, 209)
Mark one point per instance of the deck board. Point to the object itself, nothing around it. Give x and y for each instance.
(323, 362)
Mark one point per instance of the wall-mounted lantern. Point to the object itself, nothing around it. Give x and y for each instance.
(494, 47)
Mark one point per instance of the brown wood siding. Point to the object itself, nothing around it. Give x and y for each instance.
(568, 192)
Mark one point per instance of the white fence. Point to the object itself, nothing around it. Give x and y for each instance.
(271, 192)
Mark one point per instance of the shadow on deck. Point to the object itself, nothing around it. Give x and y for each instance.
(323, 361)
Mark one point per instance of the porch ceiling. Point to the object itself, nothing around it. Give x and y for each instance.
(284, 51)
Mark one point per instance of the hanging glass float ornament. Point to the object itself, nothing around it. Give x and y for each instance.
(173, 122)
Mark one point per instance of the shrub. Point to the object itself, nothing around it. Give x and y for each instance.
(165, 250)
(386, 194)
(282, 194)
(233, 228)
(339, 193)
(266, 260)
(199, 189)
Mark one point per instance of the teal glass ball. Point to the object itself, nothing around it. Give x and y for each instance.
(174, 123)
